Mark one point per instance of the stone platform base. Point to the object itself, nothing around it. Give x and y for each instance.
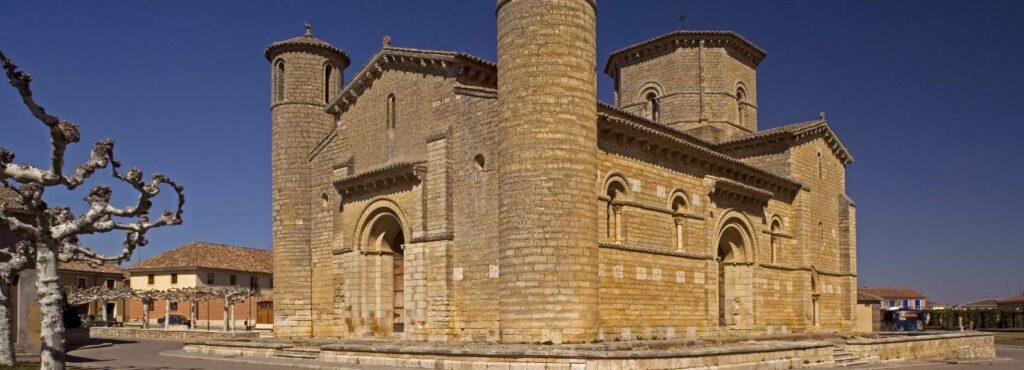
(762, 354)
(173, 334)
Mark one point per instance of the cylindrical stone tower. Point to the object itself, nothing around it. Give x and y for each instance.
(547, 143)
(305, 73)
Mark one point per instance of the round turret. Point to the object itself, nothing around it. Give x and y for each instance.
(547, 145)
(306, 73)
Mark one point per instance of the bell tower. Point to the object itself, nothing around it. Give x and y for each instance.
(701, 82)
(306, 73)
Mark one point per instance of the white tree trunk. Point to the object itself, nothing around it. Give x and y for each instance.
(225, 316)
(6, 332)
(191, 315)
(145, 314)
(232, 317)
(167, 314)
(103, 307)
(52, 308)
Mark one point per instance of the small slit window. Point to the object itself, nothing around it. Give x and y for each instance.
(391, 111)
(741, 100)
(279, 82)
(328, 71)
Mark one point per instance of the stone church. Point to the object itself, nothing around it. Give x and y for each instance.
(439, 196)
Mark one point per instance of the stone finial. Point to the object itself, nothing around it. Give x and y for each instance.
(309, 30)
(821, 115)
(386, 41)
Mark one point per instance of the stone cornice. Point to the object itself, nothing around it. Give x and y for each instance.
(387, 175)
(680, 148)
(785, 137)
(650, 250)
(478, 92)
(466, 67)
(806, 268)
(651, 207)
(433, 237)
(721, 186)
(671, 41)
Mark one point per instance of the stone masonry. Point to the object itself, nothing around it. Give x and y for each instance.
(438, 196)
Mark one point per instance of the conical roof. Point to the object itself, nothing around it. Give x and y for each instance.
(304, 41)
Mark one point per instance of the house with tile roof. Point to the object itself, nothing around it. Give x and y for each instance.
(899, 297)
(199, 264)
(1011, 310)
(980, 304)
(869, 314)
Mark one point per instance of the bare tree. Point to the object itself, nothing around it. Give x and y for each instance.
(232, 295)
(53, 232)
(16, 259)
(79, 296)
(148, 297)
(193, 296)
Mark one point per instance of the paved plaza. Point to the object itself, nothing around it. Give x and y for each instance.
(166, 355)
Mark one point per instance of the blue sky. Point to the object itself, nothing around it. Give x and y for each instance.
(926, 94)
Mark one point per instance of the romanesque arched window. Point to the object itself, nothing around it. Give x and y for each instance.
(678, 206)
(741, 101)
(328, 71)
(279, 81)
(615, 191)
(391, 111)
(653, 105)
(776, 229)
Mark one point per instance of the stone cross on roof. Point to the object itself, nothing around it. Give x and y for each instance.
(309, 30)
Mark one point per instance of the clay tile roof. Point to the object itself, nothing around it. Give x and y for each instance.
(987, 302)
(893, 292)
(210, 255)
(818, 126)
(10, 199)
(389, 57)
(85, 267)
(863, 296)
(679, 38)
(305, 41)
(1015, 299)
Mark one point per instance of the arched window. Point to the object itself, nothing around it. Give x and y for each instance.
(776, 230)
(741, 100)
(653, 105)
(328, 71)
(279, 82)
(679, 206)
(616, 190)
(391, 111)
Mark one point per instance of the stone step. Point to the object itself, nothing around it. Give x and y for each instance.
(854, 363)
(307, 353)
(299, 355)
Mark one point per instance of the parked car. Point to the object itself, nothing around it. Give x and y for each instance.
(175, 320)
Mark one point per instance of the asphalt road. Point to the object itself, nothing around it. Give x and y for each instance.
(145, 354)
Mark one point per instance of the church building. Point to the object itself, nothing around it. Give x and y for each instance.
(438, 196)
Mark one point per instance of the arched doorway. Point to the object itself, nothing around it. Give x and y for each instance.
(734, 276)
(387, 236)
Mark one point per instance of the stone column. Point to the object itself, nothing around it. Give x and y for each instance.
(547, 144)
